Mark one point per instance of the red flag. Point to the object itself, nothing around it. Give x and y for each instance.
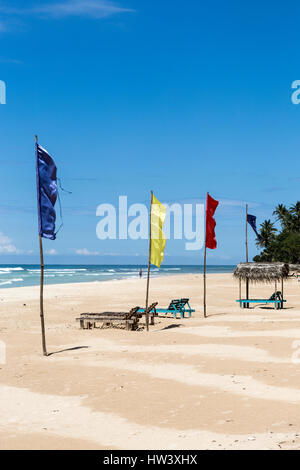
(211, 206)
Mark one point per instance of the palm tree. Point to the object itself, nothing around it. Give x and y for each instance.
(282, 215)
(295, 215)
(295, 209)
(267, 234)
(284, 246)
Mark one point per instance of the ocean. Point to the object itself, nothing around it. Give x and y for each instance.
(29, 275)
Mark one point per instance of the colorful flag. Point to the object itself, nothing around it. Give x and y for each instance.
(211, 206)
(46, 192)
(158, 239)
(251, 219)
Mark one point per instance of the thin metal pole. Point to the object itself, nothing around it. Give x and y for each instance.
(149, 265)
(42, 286)
(204, 266)
(282, 292)
(247, 257)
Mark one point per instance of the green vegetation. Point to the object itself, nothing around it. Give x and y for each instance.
(284, 244)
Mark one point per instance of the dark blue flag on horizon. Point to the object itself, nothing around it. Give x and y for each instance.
(251, 219)
(47, 192)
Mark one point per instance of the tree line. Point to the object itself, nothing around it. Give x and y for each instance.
(281, 245)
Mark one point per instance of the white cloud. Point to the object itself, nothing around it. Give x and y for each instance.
(51, 252)
(88, 8)
(6, 246)
(86, 252)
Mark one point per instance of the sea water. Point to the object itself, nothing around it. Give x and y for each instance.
(29, 275)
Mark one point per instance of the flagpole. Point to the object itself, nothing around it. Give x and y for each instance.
(42, 299)
(42, 287)
(204, 267)
(247, 257)
(149, 265)
(246, 233)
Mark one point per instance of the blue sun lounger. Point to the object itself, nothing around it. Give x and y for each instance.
(185, 303)
(176, 307)
(275, 299)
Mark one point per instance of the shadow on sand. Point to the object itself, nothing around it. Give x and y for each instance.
(169, 327)
(70, 349)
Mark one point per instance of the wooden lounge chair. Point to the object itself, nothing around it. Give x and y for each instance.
(129, 319)
(275, 299)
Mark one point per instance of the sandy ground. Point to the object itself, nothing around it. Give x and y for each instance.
(230, 381)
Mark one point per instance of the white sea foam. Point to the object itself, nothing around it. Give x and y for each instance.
(10, 281)
(128, 272)
(8, 270)
(65, 269)
(99, 274)
(57, 271)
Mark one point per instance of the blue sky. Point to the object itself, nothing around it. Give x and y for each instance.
(178, 97)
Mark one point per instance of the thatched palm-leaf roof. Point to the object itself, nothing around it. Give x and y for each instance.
(294, 268)
(261, 272)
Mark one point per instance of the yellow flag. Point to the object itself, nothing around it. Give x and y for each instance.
(158, 239)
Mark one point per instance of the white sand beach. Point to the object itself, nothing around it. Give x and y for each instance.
(230, 381)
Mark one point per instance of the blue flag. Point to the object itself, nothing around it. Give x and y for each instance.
(47, 192)
(251, 219)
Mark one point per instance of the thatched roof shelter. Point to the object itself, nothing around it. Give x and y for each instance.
(261, 272)
(294, 268)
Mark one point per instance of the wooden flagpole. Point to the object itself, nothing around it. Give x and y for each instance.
(42, 287)
(247, 257)
(149, 266)
(42, 299)
(204, 267)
